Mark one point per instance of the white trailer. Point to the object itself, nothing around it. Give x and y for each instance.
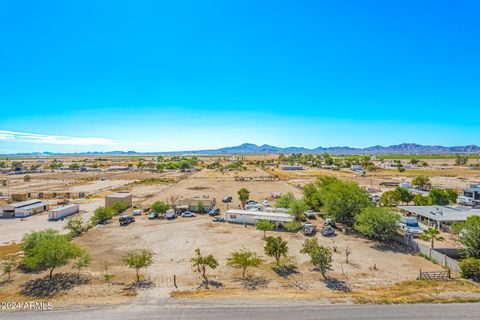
(252, 217)
(62, 212)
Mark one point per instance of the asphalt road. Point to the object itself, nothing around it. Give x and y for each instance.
(253, 309)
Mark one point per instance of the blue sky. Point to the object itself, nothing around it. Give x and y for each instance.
(182, 75)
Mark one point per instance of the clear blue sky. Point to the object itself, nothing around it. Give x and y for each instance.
(176, 75)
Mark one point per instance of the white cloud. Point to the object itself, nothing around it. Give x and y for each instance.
(48, 139)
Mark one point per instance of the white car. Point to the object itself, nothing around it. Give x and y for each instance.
(266, 203)
(137, 212)
(188, 214)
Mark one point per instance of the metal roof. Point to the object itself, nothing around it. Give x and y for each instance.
(441, 213)
(471, 190)
(263, 215)
(24, 203)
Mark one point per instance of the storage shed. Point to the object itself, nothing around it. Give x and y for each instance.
(113, 198)
(252, 217)
(63, 211)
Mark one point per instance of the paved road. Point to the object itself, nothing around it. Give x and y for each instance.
(269, 310)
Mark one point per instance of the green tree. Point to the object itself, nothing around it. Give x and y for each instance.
(310, 245)
(200, 264)
(76, 227)
(265, 225)
(8, 265)
(243, 195)
(160, 207)
(461, 160)
(82, 261)
(321, 258)
(243, 260)
(138, 259)
(297, 209)
(285, 201)
(311, 196)
(276, 247)
(422, 182)
(438, 197)
(404, 195)
(378, 223)
(293, 226)
(74, 166)
(120, 206)
(390, 198)
(342, 201)
(101, 215)
(470, 268)
(469, 237)
(200, 206)
(48, 250)
(420, 200)
(432, 235)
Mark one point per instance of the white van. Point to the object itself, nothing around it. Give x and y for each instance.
(170, 214)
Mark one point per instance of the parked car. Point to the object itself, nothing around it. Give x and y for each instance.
(328, 231)
(250, 201)
(170, 214)
(125, 220)
(329, 222)
(227, 199)
(218, 219)
(137, 212)
(188, 214)
(214, 212)
(153, 215)
(266, 203)
(310, 214)
(309, 229)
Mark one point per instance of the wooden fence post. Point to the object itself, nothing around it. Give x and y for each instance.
(175, 280)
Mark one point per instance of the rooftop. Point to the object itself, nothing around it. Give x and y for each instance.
(119, 195)
(263, 215)
(24, 203)
(442, 213)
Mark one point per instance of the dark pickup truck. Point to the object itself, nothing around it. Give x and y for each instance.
(125, 220)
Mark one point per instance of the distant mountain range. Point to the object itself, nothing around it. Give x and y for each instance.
(249, 148)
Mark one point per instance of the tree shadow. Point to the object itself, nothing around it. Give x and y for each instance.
(392, 247)
(210, 283)
(337, 285)
(46, 287)
(295, 284)
(254, 283)
(286, 270)
(5, 282)
(138, 285)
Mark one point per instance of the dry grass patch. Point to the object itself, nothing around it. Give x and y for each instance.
(9, 249)
(420, 291)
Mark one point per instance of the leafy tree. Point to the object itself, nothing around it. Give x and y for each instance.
(243, 195)
(82, 261)
(120, 206)
(420, 200)
(200, 206)
(451, 195)
(16, 165)
(310, 245)
(74, 166)
(404, 195)
(285, 201)
(461, 160)
(342, 201)
(101, 215)
(438, 197)
(470, 268)
(311, 196)
(243, 260)
(200, 263)
(75, 227)
(160, 207)
(321, 258)
(422, 182)
(138, 259)
(390, 198)
(8, 265)
(293, 226)
(48, 250)
(378, 223)
(431, 234)
(276, 247)
(27, 178)
(297, 209)
(469, 237)
(265, 225)
(184, 164)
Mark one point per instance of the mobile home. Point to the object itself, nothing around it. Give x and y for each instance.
(63, 211)
(252, 217)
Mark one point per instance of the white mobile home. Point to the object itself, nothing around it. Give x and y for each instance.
(252, 217)
(23, 209)
(62, 212)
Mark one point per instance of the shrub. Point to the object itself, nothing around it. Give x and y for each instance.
(470, 268)
(378, 223)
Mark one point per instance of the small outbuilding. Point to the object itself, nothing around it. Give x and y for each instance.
(113, 198)
(63, 211)
(252, 217)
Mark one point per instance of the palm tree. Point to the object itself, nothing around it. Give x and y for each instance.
(431, 234)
